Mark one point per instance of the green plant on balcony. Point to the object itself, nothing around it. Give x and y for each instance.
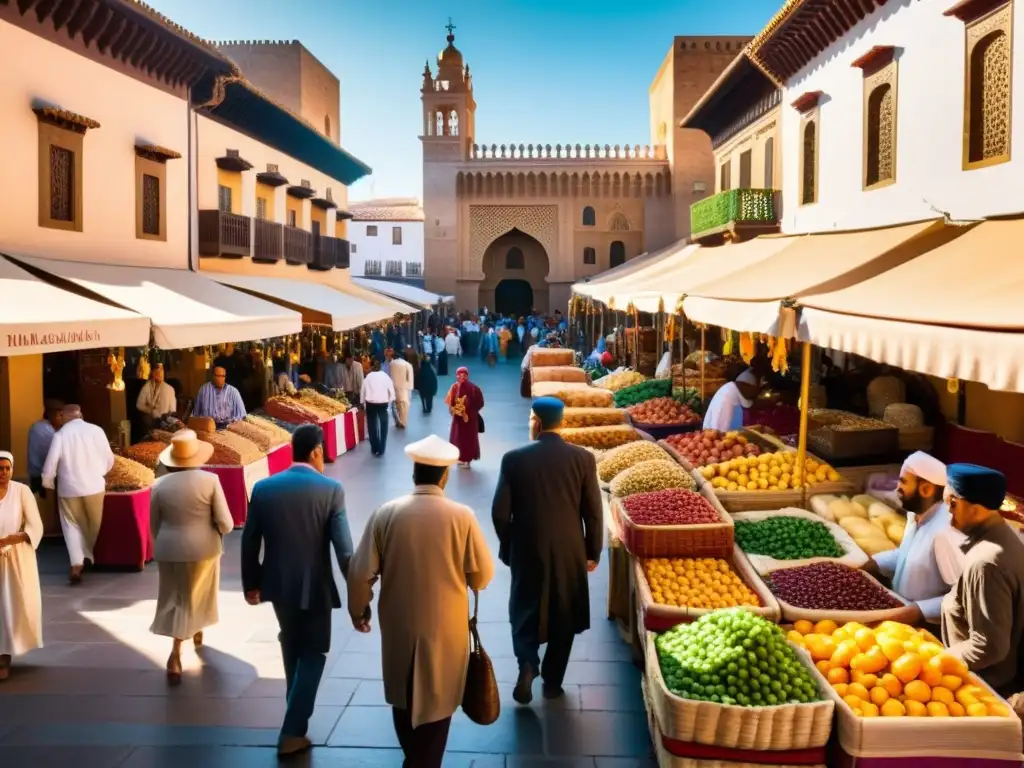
(734, 206)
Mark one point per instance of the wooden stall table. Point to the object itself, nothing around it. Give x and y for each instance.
(355, 427)
(124, 540)
(621, 604)
(330, 429)
(279, 459)
(339, 434)
(237, 483)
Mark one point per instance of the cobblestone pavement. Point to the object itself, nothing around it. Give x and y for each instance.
(96, 696)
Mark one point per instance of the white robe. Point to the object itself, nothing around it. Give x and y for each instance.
(21, 601)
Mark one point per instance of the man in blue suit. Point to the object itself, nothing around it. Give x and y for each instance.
(297, 516)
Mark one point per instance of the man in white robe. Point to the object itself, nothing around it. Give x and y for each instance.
(21, 602)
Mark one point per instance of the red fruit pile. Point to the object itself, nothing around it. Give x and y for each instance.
(829, 586)
(711, 446)
(662, 411)
(675, 506)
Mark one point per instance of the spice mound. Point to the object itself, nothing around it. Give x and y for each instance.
(128, 475)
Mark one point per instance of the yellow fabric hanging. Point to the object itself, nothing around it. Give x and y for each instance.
(747, 347)
(780, 356)
(727, 347)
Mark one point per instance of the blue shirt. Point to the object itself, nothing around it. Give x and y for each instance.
(224, 406)
(39, 438)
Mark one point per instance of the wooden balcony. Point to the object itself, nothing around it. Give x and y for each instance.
(344, 254)
(224, 234)
(329, 252)
(298, 246)
(268, 241)
(736, 214)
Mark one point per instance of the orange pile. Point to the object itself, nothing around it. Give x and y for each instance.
(690, 582)
(894, 670)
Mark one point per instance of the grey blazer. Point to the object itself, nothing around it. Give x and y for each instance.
(188, 514)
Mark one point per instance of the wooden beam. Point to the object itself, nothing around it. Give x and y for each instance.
(111, 33)
(179, 70)
(145, 45)
(97, 24)
(64, 12)
(44, 9)
(158, 63)
(82, 16)
(24, 6)
(124, 39)
(148, 53)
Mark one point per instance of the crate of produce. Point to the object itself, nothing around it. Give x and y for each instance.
(574, 395)
(791, 536)
(663, 416)
(797, 716)
(930, 704)
(653, 475)
(825, 589)
(619, 380)
(559, 373)
(674, 523)
(602, 438)
(547, 357)
(709, 446)
(617, 460)
(645, 390)
(749, 591)
(842, 435)
(583, 417)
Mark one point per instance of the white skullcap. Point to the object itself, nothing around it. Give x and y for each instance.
(433, 451)
(7, 455)
(747, 377)
(926, 467)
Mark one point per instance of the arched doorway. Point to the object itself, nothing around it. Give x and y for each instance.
(513, 297)
(515, 267)
(617, 253)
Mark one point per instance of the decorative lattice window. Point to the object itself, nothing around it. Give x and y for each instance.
(881, 136)
(989, 101)
(261, 208)
(809, 163)
(618, 222)
(589, 256)
(514, 259)
(62, 184)
(150, 204)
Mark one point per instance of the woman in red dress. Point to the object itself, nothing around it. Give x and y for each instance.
(465, 400)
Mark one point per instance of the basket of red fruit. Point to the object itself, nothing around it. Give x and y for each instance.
(663, 416)
(675, 522)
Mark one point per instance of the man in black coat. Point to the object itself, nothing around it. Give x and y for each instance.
(549, 519)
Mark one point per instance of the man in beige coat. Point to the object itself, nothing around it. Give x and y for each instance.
(433, 551)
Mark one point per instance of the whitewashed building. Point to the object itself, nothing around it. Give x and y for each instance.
(386, 237)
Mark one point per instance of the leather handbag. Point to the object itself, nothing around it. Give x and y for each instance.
(479, 423)
(480, 700)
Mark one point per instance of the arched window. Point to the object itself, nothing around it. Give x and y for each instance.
(618, 222)
(589, 256)
(879, 136)
(589, 217)
(453, 123)
(769, 164)
(327, 125)
(809, 163)
(439, 124)
(617, 253)
(514, 259)
(988, 100)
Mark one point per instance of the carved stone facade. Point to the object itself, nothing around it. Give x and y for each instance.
(489, 222)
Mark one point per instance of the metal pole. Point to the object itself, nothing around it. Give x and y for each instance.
(703, 357)
(805, 396)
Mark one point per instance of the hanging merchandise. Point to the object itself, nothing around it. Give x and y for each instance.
(142, 369)
(727, 348)
(116, 364)
(748, 347)
(780, 355)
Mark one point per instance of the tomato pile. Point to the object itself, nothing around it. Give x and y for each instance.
(711, 446)
(829, 586)
(662, 411)
(675, 506)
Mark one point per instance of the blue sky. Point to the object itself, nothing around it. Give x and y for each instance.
(554, 71)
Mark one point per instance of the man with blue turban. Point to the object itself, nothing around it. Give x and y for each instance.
(983, 615)
(548, 515)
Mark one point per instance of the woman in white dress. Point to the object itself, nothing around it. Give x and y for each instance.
(21, 602)
(188, 518)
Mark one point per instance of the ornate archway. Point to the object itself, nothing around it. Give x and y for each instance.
(519, 284)
(487, 223)
(513, 297)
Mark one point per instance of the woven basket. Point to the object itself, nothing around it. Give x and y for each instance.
(544, 357)
(658, 618)
(704, 540)
(782, 727)
(568, 374)
(790, 613)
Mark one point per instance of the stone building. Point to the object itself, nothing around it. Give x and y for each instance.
(513, 226)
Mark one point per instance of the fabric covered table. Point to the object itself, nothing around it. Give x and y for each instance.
(124, 540)
(340, 430)
(843, 760)
(279, 459)
(330, 429)
(237, 483)
(351, 420)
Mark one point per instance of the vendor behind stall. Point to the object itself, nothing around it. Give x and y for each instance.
(725, 412)
(928, 560)
(983, 616)
(219, 400)
(156, 398)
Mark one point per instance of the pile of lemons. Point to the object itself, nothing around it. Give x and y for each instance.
(692, 582)
(894, 670)
(767, 472)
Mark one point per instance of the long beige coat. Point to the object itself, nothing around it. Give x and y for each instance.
(427, 550)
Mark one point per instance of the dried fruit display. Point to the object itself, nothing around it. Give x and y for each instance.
(313, 399)
(829, 586)
(230, 449)
(599, 437)
(654, 475)
(711, 446)
(291, 410)
(688, 582)
(894, 670)
(128, 475)
(673, 506)
(160, 436)
(662, 411)
(844, 421)
(258, 437)
(622, 458)
(147, 453)
(620, 380)
(278, 434)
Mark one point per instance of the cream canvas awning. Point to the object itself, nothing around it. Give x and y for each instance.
(185, 308)
(410, 294)
(613, 282)
(319, 304)
(954, 311)
(36, 317)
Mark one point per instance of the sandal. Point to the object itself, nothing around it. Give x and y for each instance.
(197, 640)
(174, 671)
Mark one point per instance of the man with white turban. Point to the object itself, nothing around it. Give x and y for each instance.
(929, 560)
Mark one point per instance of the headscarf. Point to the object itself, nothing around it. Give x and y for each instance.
(977, 485)
(926, 467)
(460, 381)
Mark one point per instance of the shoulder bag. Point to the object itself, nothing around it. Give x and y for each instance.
(480, 700)
(479, 423)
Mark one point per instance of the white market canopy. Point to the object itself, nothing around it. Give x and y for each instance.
(185, 308)
(36, 318)
(410, 294)
(629, 282)
(320, 304)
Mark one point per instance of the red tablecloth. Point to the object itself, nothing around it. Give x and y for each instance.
(237, 483)
(279, 459)
(702, 752)
(340, 426)
(330, 429)
(124, 539)
(351, 429)
(843, 760)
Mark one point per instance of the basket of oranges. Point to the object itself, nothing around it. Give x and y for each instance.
(674, 590)
(899, 693)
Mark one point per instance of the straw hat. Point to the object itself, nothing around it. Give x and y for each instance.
(186, 450)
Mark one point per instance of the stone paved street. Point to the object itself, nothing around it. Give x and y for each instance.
(96, 697)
